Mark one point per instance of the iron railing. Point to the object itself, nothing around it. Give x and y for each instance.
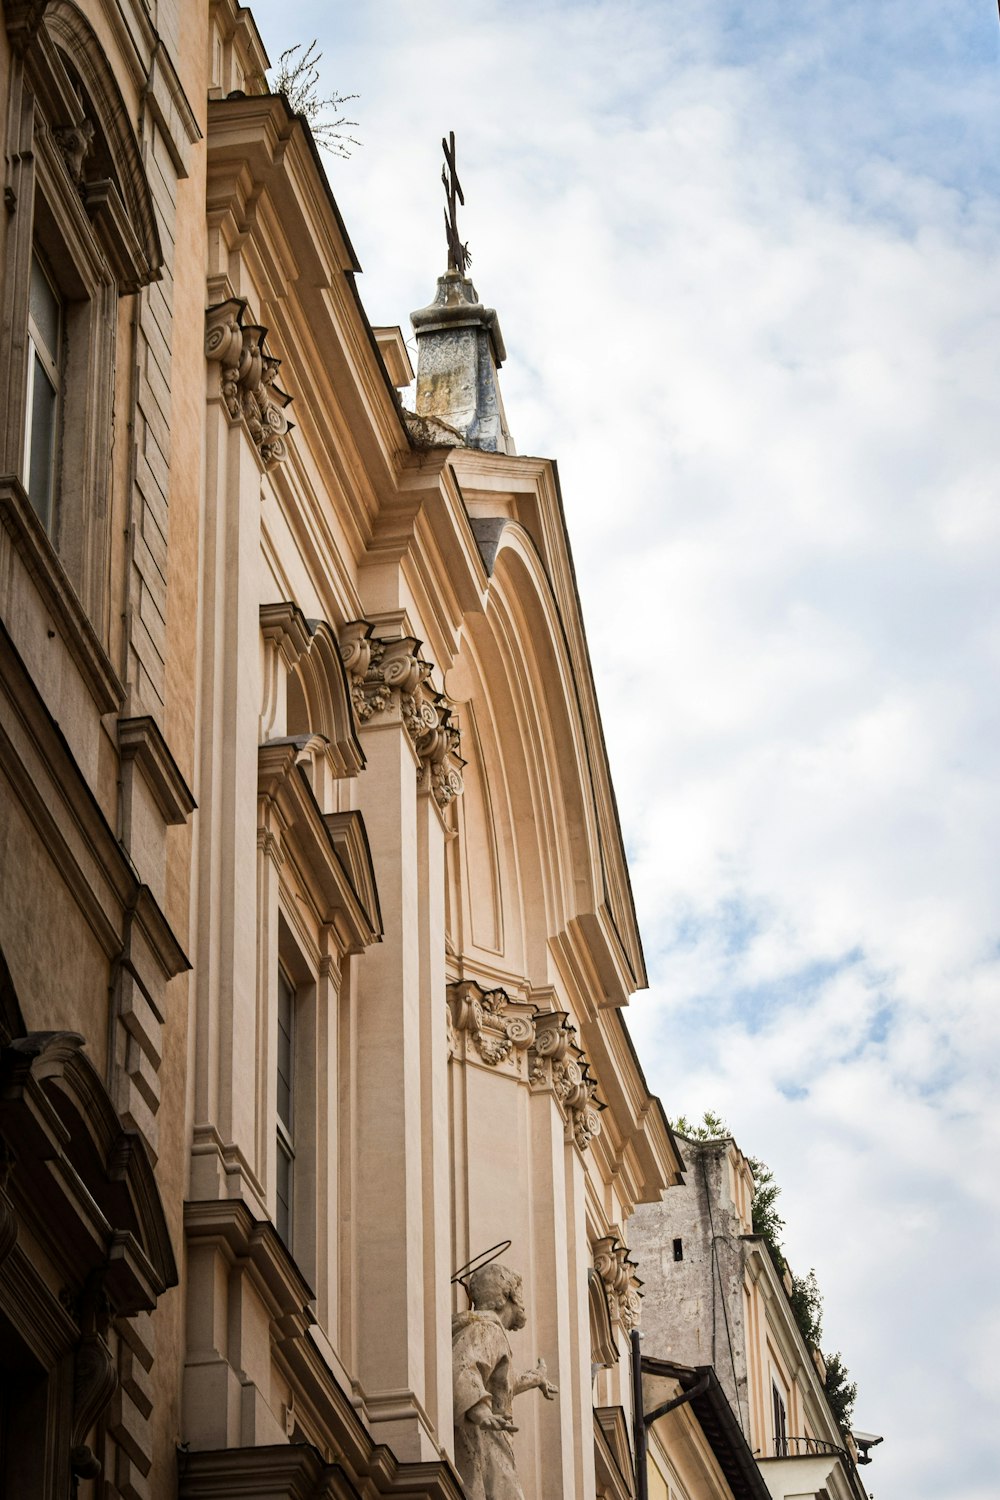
(803, 1447)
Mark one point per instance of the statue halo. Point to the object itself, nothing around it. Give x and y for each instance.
(477, 1262)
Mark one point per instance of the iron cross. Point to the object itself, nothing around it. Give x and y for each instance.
(459, 258)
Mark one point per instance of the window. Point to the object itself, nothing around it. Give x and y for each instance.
(43, 401)
(678, 1249)
(81, 234)
(780, 1422)
(285, 1156)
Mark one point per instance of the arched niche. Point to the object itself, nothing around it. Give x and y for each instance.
(84, 1248)
(72, 1155)
(112, 178)
(305, 686)
(530, 818)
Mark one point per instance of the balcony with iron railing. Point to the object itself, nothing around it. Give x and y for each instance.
(800, 1466)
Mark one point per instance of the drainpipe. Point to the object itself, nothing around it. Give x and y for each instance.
(638, 1420)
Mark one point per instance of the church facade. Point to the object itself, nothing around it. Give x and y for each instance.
(315, 923)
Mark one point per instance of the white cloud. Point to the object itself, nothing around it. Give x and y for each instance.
(746, 262)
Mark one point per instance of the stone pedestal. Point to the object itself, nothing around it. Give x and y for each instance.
(460, 349)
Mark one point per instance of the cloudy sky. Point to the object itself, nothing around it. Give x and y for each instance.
(746, 255)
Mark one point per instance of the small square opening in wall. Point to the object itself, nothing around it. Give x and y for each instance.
(678, 1249)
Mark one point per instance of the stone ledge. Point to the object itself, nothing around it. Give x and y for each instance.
(59, 596)
(141, 740)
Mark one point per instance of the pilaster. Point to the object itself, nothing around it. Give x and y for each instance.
(225, 1154)
(403, 1218)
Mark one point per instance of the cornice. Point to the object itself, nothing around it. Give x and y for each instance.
(140, 740)
(311, 649)
(286, 1470)
(73, 827)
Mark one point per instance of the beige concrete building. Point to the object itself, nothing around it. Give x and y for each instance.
(715, 1303)
(315, 922)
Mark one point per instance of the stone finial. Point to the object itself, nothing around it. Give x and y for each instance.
(459, 351)
(248, 376)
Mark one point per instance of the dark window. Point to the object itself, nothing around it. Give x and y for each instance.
(780, 1423)
(286, 1079)
(44, 393)
(678, 1250)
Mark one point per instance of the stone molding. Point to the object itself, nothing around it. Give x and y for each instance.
(389, 676)
(621, 1284)
(499, 1028)
(22, 20)
(310, 651)
(332, 848)
(140, 740)
(38, 556)
(247, 374)
(250, 1250)
(76, 1183)
(557, 1063)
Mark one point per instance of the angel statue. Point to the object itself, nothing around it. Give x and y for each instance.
(485, 1383)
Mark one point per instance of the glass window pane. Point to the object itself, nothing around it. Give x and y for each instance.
(283, 1193)
(44, 308)
(285, 999)
(41, 442)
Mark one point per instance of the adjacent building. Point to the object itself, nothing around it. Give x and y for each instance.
(716, 1305)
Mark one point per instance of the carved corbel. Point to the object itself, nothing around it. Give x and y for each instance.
(440, 759)
(389, 672)
(95, 1378)
(499, 1028)
(76, 143)
(559, 1064)
(248, 376)
(617, 1271)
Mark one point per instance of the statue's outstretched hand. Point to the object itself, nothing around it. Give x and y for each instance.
(537, 1378)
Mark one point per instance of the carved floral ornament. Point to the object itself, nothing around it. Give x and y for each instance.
(248, 375)
(514, 1034)
(557, 1062)
(388, 675)
(500, 1029)
(621, 1284)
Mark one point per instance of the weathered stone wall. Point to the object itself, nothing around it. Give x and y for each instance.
(693, 1307)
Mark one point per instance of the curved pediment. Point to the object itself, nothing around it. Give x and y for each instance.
(316, 692)
(108, 166)
(88, 1180)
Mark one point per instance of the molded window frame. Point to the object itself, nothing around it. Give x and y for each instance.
(96, 236)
